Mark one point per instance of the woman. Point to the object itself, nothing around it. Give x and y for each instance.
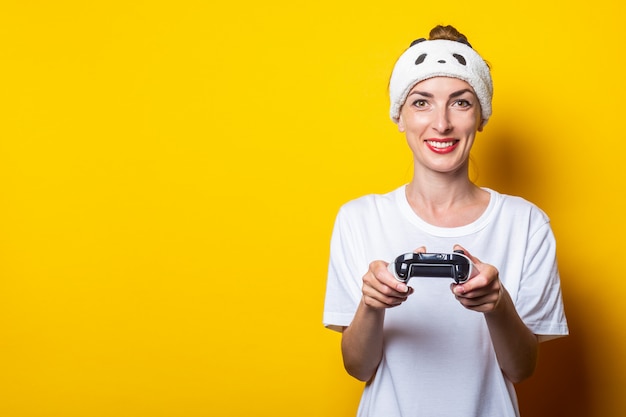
(431, 348)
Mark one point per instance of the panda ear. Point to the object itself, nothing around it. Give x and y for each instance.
(416, 41)
(465, 41)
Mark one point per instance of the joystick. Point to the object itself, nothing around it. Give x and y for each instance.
(456, 266)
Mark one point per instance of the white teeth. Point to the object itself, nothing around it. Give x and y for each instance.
(440, 145)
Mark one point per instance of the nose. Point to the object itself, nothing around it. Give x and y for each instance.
(441, 122)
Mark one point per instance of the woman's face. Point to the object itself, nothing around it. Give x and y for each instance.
(440, 118)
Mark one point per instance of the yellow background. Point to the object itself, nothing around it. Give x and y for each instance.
(170, 173)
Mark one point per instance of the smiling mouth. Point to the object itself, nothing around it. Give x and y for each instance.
(441, 144)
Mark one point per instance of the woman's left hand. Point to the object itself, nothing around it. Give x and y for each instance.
(514, 343)
(481, 293)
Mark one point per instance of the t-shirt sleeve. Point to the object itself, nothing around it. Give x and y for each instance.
(539, 302)
(345, 271)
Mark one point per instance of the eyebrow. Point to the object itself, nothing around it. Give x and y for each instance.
(452, 95)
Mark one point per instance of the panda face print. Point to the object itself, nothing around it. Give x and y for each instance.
(439, 56)
(458, 57)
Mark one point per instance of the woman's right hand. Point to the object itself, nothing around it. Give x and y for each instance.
(381, 289)
(362, 340)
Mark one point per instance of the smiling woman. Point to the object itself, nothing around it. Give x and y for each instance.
(441, 117)
(396, 336)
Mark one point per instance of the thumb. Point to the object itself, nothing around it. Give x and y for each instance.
(421, 249)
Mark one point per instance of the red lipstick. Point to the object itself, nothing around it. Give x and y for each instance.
(442, 146)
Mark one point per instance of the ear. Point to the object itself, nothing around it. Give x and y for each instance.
(481, 125)
(401, 127)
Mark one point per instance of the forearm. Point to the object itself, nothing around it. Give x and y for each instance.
(362, 342)
(515, 344)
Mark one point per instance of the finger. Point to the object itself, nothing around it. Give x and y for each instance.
(385, 283)
(483, 304)
(476, 306)
(421, 249)
(478, 286)
(377, 299)
(383, 294)
(384, 276)
(467, 253)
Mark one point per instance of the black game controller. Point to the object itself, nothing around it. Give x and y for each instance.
(433, 265)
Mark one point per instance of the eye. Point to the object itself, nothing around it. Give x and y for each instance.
(462, 103)
(420, 59)
(420, 103)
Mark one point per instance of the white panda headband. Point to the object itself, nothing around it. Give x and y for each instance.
(440, 58)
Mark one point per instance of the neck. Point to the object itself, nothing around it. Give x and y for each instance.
(440, 188)
(446, 200)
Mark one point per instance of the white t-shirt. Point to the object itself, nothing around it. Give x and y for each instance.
(438, 358)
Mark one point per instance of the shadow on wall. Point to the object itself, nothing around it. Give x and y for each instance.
(508, 164)
(560, 386)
